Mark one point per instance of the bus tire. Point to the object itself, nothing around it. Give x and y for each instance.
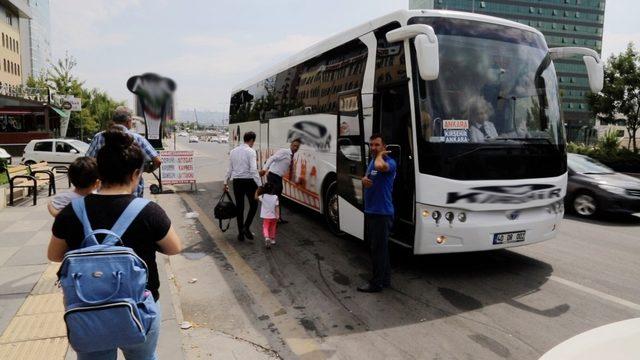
(331, 208)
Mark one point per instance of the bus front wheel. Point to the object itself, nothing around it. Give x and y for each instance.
(331, 211)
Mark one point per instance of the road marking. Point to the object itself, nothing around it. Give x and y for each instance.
(294, 335)
(594, 292)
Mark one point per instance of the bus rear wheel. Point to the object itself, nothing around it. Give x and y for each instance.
(331, 211)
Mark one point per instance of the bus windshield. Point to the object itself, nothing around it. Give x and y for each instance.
(497, 89)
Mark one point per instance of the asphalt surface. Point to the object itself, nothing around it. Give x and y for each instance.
(514, 304)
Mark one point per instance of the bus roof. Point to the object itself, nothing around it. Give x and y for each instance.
(401, 16)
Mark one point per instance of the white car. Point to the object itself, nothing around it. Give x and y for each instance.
(194, 139)
(183, 134)
(54, 151)
(619, 340)
(5, 156)
(224, 139)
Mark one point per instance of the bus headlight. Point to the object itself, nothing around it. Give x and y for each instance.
(441, 239)
(449, 216)
(462, 217)
(425, 213)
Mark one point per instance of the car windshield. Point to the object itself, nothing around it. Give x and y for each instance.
(80, 145)
(587, 165)
(496, 84)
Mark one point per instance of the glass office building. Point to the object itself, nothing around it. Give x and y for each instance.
(40, 36)
(564, 23)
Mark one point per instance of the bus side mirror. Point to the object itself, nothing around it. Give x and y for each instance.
(595, 71)
(428, 56)
(426, 46)
(595, 66)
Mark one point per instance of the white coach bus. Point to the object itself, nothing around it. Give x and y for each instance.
(468, 104)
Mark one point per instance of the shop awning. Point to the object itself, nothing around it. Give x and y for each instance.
(62, 113)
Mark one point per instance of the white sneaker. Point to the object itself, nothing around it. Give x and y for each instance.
(267, 242)
(273, 241)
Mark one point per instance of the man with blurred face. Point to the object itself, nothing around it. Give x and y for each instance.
(123, 120)
(378, 212)
(279, 165)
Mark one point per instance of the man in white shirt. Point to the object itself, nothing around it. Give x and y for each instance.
(278, 166)
(243, 170)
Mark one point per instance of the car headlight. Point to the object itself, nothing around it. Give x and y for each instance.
(613, 189)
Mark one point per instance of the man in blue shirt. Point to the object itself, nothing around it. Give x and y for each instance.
(378, 212)
(122, 119)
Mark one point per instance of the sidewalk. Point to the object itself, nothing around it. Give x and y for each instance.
(31, 310)
(222, 329)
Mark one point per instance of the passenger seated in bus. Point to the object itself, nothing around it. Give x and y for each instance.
(480, 128)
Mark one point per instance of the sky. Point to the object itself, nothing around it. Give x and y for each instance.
(209, 46)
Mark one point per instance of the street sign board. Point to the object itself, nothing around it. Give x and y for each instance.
(68, 102)
(177, 167)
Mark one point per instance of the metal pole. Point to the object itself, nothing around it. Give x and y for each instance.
(174, 140)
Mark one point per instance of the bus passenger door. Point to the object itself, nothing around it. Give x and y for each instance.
(392, 118)
(350, 164)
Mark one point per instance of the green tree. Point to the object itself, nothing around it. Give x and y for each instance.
(97, 106)
(621, 92)
(60, 77)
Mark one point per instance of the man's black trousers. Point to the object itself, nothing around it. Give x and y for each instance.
(377, 228)
(242, 188)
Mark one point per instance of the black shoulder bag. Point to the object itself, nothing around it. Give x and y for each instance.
(225, 210)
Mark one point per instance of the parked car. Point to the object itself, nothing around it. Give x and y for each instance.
(183, 134)
(595, 188)
(618, 340)
(193, 139)
(5, 156)
(55, 151)
(223, 139)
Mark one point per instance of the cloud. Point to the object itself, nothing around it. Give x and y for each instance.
(615, 43)
(211, 72)
(207, 41)
(236, 58)
(76, 25)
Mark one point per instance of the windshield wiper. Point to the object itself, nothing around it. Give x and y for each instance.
(523, 139)
(478, 149)
(597, 173)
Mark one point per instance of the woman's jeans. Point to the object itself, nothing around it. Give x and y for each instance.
(144, 351)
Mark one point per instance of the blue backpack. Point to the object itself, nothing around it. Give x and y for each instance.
(104, 285)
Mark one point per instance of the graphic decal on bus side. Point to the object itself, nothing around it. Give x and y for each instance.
(516, 194)
(301, 183)
(311, 134)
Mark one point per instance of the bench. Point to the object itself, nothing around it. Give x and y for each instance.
(19, 177)
(44, 175)
(62, 169)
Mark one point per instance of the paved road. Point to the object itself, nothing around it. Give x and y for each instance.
(514, 304)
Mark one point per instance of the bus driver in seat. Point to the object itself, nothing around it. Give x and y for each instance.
(480, 128)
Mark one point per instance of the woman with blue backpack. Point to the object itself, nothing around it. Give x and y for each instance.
(107, 243)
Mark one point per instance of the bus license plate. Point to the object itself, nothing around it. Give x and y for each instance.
(508, 237)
